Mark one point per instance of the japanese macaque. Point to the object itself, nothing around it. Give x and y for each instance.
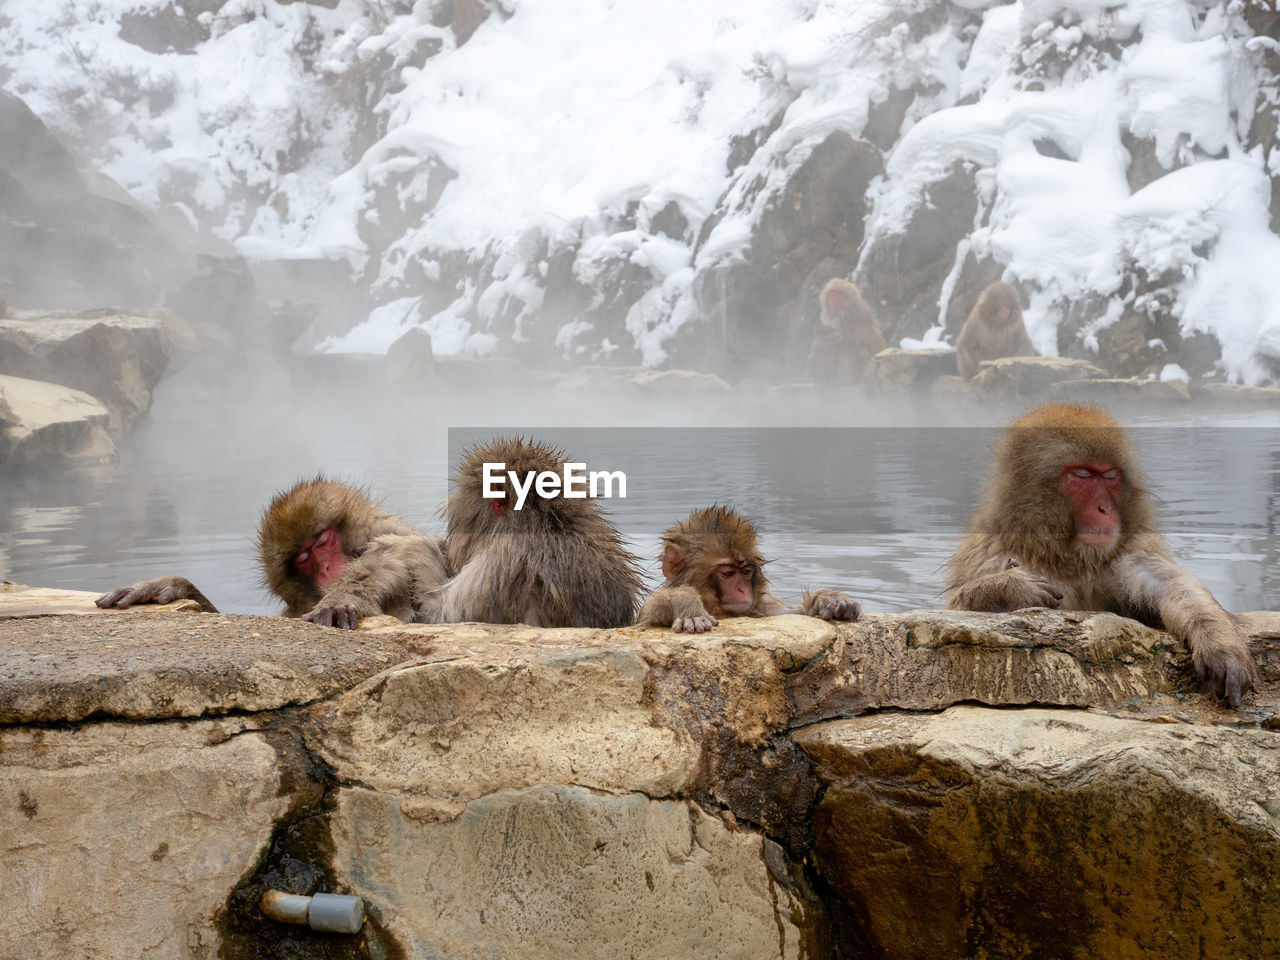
(847, 337)
(331, 555)
(714, 570)
(1066, 522)
(548, 562)
(993, 329)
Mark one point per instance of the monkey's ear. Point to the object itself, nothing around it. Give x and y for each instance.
(672, 561)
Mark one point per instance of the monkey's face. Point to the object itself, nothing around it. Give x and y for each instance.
(1093, 489)
(321, 560)
(734, 586)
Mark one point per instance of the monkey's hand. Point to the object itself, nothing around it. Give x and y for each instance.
(829, 605)
(1010, 589)
(1221, 656)
(344, 611)
(678, 607)
(160, 590)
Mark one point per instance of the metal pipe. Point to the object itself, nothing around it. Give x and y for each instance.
(327, 912)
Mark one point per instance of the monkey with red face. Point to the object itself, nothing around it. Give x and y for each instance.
(332, 555)
(714, 570)
(1066, 522)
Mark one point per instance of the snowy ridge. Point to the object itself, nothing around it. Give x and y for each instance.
(366, 134)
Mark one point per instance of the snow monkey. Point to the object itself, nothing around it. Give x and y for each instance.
(1066, 522)
(714, 570)
(847, 337)
(331, 555)
(545, 561)
(993, 329)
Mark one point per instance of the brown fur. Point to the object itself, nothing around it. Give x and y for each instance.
(297, 515)
(847, 336)
(555, 563)
(389, 568)
(692, 550)
(1021, 549)
(986, 336)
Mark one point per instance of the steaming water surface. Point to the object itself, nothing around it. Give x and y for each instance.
(875, 512)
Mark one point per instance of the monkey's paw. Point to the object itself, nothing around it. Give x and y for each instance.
(341, 615)
(1028, 590)
(163, 590)
(1227, 663)
(699, 623)
(830, 605)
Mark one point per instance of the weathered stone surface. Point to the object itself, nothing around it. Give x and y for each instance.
(123, 840)
(1120, 391)
(1048, 833)
(540, 775)
(116, 357)
(151, 665)
(1236, 395)
(444, 733)
(933, 659)
(1028, 378)
(556, 870)
(18, 602)
(44, 422)
(897, 369)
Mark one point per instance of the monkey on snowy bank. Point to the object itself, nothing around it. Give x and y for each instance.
(993, 329)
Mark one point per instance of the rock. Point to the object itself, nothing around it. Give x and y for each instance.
(535, 873)
(758, 315)
(1120, 391)
(1234, 395)
(979, 832)
(124, 840)
(116, 357)
(18, 602)
(901, 274)
(410, 361)
(1028, 378)
(44, 422)
(70, 239)
(897, 369)
(506, 791)
(144, 665)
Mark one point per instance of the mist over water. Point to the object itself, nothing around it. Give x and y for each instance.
(874, 510)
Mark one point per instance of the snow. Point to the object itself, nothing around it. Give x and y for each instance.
(572, 123)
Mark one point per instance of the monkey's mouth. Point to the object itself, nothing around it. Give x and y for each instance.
(1098, 538)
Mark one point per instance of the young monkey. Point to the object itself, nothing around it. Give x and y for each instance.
(713, 570)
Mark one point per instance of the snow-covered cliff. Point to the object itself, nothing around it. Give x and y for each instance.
(658, 182)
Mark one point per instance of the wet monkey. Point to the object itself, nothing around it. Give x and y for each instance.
(713, 569)
(1066, 522)
(993, 329)
(330, 554)
(847, 336)
(549, 561)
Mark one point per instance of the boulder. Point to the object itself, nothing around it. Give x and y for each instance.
(116, 357)
(1047, 833)
(123, 839)
(505, 791)
(1236, 396)
(1154, 392)
(897, 369)
(1028, 378)
(46, 423)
